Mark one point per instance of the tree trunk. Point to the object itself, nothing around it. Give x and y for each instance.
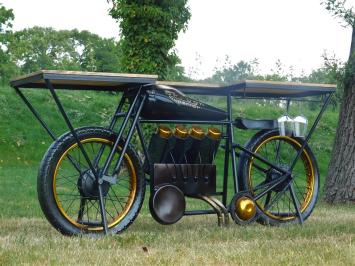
(340, 182)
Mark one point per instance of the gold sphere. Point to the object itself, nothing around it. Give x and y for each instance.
(245, 208)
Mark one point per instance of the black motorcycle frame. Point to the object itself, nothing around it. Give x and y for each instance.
(132, 123)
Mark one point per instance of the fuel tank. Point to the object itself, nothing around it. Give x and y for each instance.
(165, 102)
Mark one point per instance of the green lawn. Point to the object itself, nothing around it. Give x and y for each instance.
(327, 238)
(25, 237)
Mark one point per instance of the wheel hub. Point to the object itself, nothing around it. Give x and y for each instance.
(273, 174)
(89, 187)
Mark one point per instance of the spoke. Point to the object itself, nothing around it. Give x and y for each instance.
(294, 199)
(92, 205)
(106, 209)
(267, 200)
(66, 181)
(69, 206)
(65, 177)
(117, 198)
(276, 198)
(114, 205)
(81, 209)
(260, 168)
(122, 185)
(278, 148)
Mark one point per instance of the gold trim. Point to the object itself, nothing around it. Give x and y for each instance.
(131, 196)
(181, 131)
(214, 133)
(164, 131)
(197, 132)
(310, 176)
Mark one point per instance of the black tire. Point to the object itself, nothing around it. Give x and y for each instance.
(272, 208)
(55, 182)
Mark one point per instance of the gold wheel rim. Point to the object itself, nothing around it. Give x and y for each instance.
(307, 163)
(131, 196)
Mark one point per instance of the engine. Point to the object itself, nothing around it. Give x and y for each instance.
(184, 146)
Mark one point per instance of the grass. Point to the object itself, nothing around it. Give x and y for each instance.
(327, 238)
(26, 238)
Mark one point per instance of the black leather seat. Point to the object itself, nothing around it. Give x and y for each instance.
(244, 123)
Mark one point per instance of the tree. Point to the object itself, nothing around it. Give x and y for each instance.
(7, 68)
(38, 48)
(45, 48)
(230, 73)
(97, 54)
(149, 29)
(340, 182)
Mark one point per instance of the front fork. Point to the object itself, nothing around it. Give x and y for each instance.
(133, 113)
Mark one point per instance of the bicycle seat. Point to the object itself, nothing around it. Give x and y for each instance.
(244, 123)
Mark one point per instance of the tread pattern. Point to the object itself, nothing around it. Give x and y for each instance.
(47, 168)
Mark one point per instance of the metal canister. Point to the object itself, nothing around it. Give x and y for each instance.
(192, 154)
(209, 145)
(177, 154)
(159, 145)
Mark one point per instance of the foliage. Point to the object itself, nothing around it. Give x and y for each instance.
(339, 9)
(7, 68)
(230, 73)
(45, 48)
(6, 18)
(149, 30)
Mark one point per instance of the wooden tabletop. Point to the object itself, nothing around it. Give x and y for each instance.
(119, 81)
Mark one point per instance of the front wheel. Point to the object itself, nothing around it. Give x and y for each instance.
(277, 206)
(68, 191)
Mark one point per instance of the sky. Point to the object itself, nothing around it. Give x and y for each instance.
(297, 32)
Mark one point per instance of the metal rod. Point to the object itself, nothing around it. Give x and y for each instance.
(145, 150)
(231, 136)
(110, 127)
(129, 136)
(184, 122)
(199, 212)
(226, 169)
(70, 126)
(217, 209)
(294, 199)
(278, 99)
(118, 109)
(261, 158)
(326, 103)
(93, 170)
(282, 179)
(44, 125)
(36, 114)
(120, 133)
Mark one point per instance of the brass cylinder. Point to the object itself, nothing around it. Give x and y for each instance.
(181, 131)
(214, 133)
(197, 132)
(164, 131)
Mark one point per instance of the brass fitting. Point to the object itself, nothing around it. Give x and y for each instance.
(197, 132)
(164, 131)
(214, 133)
(181, 131)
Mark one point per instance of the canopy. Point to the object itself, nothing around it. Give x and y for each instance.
(118, 81)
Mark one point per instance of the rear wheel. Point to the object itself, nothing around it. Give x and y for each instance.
(68, 191)
(277, 206)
